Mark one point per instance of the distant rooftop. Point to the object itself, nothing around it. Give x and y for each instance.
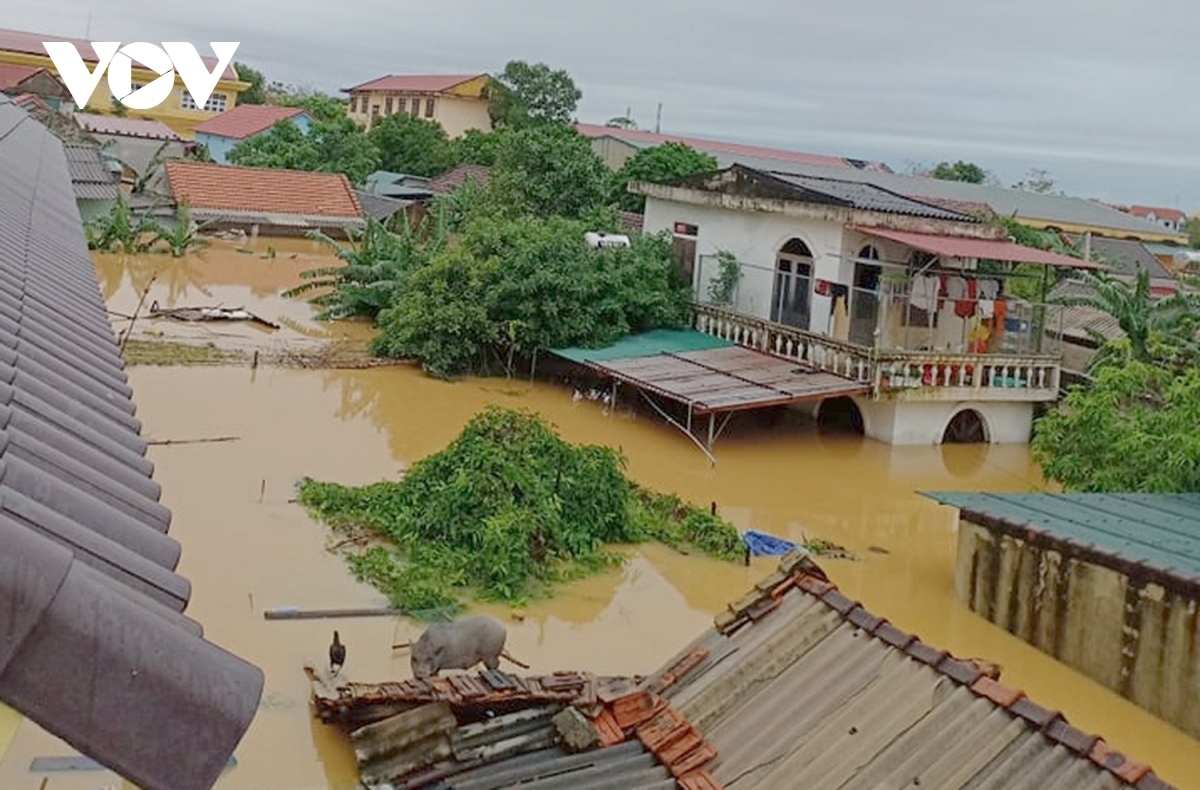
(246, 120)
(415, 83)
(31, 44)
(12, 75)
(1158, 211)
(95, 123)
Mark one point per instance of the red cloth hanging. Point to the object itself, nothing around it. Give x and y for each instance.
(965, 308)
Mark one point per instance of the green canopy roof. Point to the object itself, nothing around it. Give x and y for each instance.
(647, 344)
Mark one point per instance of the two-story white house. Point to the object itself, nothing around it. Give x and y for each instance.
(864, 282)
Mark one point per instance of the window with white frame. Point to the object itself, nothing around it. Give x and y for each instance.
(216, 102)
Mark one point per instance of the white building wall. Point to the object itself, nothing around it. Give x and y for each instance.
(924, 422)
(755, 238)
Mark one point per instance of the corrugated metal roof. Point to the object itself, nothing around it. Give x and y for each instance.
(869, 197)
(115, 125)
(1077, 319)
(986, 249)
(801, 687)
(380, 207)
(1160, 530)
(93, 645)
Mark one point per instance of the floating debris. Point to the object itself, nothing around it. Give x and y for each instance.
(217, 313)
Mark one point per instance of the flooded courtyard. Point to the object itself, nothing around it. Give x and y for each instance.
(248, 549)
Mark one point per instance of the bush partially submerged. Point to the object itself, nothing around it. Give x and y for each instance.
(504, 512)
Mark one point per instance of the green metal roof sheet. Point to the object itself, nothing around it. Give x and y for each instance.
(646, 344)
(1162, 530)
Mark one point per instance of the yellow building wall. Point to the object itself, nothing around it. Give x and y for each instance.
(170, 112)
(1116, 233)
(456, 114)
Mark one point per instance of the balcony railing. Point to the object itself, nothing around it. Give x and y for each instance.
(928, 374)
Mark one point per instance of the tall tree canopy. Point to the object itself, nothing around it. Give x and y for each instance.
(525, 94)
(411, 145)
(1137, 428)
(658, 164)
(959, 171)
(335, 145)
(257, 92)
(547, 170)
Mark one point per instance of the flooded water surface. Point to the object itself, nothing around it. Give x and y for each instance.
(247, 548)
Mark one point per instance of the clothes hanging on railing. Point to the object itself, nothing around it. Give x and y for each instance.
(924, 293)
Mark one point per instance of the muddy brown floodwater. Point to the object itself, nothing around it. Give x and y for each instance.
(247, 549)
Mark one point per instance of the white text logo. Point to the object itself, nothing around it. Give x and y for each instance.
(179, 56)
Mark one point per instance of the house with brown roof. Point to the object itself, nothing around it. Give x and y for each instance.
(794, 686)
(457, 102)
(222, 133)
(1171, 218)
(263, 200)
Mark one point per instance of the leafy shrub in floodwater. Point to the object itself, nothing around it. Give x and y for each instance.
(505, 511)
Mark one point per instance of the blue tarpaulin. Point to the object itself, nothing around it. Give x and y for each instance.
(763, 545)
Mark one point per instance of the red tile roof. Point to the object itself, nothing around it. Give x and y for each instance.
(11, 76)
(246, 120)
(31, 44)
(958, 247)
(268, 190)
(1158, 211)
(414, 83)
(637, 135)
(125, 127)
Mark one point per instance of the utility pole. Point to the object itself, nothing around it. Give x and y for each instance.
(658, 120)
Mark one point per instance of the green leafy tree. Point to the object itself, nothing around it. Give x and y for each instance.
(547, 170)
(476, 147)
(658, 164)
(1036, 180)
(335, 145)
(257, 92)
(1192, 229)
(1136, 428)
(411, 145)
(959, 171)
(526, 94)
(320, 106)
(1157, 329)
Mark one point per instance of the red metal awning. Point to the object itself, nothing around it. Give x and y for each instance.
(958, 247)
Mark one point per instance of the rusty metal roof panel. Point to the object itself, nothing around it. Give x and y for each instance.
(798, 686)
(86, 561)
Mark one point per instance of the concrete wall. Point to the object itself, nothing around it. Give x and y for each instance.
(755, 238)
(136, 152)
(1136, 637)
(456, 114)
(924, 422)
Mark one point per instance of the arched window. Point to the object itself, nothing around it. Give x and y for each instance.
(791, 299)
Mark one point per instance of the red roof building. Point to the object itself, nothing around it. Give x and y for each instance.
(247, 120)
(457, 102)
(276, 201)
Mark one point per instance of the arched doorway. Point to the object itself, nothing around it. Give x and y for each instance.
(791, 298)
(864, 302)
(966, 427)
(840, 415)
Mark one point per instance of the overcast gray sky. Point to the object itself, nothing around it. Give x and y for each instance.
(1101, 93)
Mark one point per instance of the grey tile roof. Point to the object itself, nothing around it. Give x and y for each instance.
(869, 196)
(90, 177)
(93, 643)
(1127, 256)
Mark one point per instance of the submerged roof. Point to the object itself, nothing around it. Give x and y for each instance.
(117, 126)
(985, 249)
(93, 643)
(1159, 532)
(246, 120)
(262, 190)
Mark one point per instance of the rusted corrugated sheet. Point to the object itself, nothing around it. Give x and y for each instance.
(802, 687)
(93, 643)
